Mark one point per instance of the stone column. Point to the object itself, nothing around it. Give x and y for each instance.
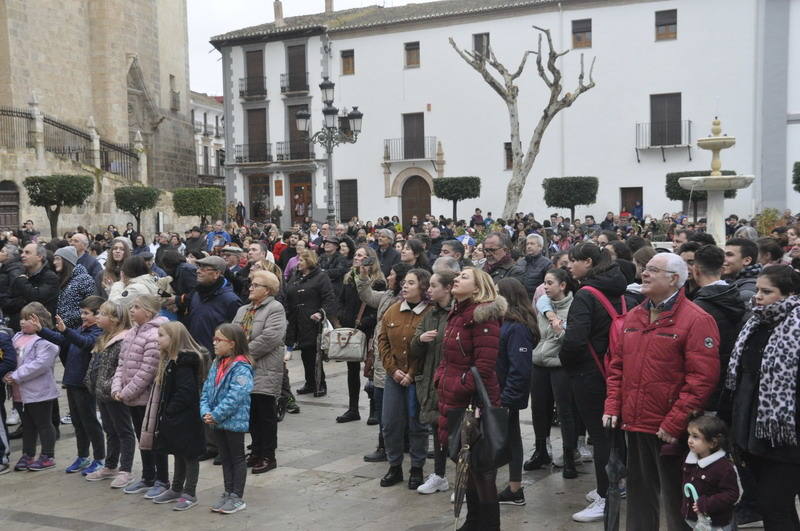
(138, 147)
(95, 142)
(38, 127)
(440, 162)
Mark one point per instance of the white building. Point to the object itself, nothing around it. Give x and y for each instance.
(208, 117)
(664, 69)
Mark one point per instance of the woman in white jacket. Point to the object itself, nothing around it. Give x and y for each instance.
(136, 280)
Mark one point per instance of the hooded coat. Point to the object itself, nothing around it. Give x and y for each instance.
(35, 374)
(138, 363)
(180, 428)
(426, 357)
(124, 294)
(79, 286)
(76, 350)
(228, 402)
(547, 350)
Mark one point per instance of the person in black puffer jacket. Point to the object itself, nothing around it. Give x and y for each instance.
(534, 263)
(587, 325)
(333, 263)
(184, 280)
(10, 268)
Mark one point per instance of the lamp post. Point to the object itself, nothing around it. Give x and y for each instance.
(331, 134)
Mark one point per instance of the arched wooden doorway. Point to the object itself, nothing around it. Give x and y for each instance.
(416, 199)
(9, 206)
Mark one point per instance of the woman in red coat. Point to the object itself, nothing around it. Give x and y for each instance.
(472, 338)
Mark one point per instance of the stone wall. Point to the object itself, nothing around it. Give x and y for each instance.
(99, 211)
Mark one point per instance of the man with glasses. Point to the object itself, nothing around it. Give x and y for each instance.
(499, 264)
(668, 359)
(686, 252)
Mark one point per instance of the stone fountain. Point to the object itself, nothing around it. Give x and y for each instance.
(716, 184)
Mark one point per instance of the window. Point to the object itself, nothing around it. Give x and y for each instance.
(348, 63)
(480, 44)
(666, 24)
(582, 33)
(509, 155)
(665, 120)
(412, 55)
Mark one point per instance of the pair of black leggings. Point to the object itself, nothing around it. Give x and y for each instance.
(439, 452)
(353, 383)
(263, 425)
(37, 420)
(778, 484)
(120, 437)
(309, 357)
(187, 470)
(547, 384)
(155, 465)
(83, 410)
(514, 446)
(231, 453)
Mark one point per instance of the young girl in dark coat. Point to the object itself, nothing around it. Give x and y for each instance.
(180, 429)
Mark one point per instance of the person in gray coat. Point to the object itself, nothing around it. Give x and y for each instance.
(264, 323)
(534, 263)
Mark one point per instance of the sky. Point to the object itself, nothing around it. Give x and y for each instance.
(214, 17)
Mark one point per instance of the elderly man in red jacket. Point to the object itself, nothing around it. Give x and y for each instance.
(665, 367)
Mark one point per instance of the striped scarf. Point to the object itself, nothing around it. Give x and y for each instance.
(247, 320)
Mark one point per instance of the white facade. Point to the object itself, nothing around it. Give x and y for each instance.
(208, 117)
(739, 60)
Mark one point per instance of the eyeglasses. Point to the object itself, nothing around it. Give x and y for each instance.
(222, 339)
(254, 285)
(490, 249)
(655, 270)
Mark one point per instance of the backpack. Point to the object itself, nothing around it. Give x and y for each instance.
(615, 331)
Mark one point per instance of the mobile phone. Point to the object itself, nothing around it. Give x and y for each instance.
(368, 261)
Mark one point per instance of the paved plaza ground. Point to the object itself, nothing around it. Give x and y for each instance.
(321, 483)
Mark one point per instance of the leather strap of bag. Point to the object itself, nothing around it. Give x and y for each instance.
(360, 314)
(480, 389)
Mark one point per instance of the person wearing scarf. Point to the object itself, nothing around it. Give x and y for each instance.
(762, 382)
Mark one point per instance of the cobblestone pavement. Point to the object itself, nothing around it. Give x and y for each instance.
(321, 483)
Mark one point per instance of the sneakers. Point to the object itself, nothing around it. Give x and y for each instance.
(4, 468)
(586, 453)
(95, 466)
(13, 418)
(158, 488)
(233, 504)
(43, 463)
(79, 464)
(507, 497)
(434, 483)
(122, 480)
(102, 473)
(593, 513)
(592, 496)
(291, 407)
(220, 502)
(23, 463)
(66, 419)
(167, 496)
(185, 502)
(137, 487)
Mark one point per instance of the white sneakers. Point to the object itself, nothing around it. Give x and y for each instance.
(586, 453)
(593, 513)
(434, 483)
(592, 496)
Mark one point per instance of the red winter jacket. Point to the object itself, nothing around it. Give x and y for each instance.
(472, 337)
(663, 370)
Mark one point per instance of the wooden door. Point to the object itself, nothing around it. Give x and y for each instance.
(348, 199)
(9, 206)
(416, 199)
(256, 135)
(300, 195)
(665, 119)
(414, 136)
(259, 197)
(628, 198)
(296, 57)
(255, 72)
(298, 145)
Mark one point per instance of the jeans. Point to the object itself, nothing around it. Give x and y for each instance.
(401, 409)
(514, 445)
(652, 479)
(37, 420)
(155, 465)
(778, 484)
(120, 437)
(231, 453)
(548, 383)
(187, 470)
(353, 383)
(263, 425)
(589, 388)
(83, 410)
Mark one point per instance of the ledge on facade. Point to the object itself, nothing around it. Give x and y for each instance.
(663, 136)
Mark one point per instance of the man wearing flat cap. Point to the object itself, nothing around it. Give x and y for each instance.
(333, 263)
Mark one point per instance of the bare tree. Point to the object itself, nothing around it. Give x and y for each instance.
(503, 81)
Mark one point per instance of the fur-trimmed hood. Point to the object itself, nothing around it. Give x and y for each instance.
(489, 311)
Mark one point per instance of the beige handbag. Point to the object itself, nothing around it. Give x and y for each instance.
(345, 344)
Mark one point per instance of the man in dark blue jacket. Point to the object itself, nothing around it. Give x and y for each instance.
(8, 362)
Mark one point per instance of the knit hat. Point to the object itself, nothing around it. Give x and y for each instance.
(69, 254)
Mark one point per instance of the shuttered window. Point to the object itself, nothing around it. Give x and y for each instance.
(348, 63)
(412, 55)
(509, 155)
(480, 44)
(666, 24)
(582, 33)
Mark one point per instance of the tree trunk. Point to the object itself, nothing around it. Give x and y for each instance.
(138, 218)
(455, 215)
(52, 217)
(572, 214)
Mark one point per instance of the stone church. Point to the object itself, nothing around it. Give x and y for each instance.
(124, 63)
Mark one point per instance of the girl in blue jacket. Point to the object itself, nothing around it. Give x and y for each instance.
(225, 406)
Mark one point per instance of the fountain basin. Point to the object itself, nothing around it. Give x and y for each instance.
(716, 142)
(722, 182)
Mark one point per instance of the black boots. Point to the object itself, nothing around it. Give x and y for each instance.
(372, 420)
(349, 416)
(569, 471)
(414, 477)
(393, 476)
(537, 460)
(379, 454)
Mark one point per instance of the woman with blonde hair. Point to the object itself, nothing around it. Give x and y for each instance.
(472, 339)
(121, 248)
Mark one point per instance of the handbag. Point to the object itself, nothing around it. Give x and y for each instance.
(490, 450)
(345, 344)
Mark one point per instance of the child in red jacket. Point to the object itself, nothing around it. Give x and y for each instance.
(712, 473)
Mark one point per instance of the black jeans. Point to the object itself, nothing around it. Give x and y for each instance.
(155, 465)
(589, 388)
(439, 453)
(263, 425)
(83, 410)
(778, 484)
(37, 420)
(234, 468)
(514, 445)
(309, 357)
(353, 383)
(120, 437)
(547, 384)
(187, 470)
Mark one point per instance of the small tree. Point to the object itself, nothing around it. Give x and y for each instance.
(135, 200)
(56, 191)
(203, 202)
(568, 192)
(676, 193)
(796, 176)
(457, 189)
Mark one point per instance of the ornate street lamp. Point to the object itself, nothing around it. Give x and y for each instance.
(331, 135)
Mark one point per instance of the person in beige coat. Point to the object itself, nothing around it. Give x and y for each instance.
(264, 323)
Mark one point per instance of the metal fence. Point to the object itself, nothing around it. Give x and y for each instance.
(294, 150)
(67, 141)
(16, 126)
(253, 153)
(667, 134)
(410, 148)
(294, 82)
(121, 160)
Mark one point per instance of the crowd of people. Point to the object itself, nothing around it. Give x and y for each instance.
(679, 357)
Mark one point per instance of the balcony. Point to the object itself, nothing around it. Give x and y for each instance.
(253, 153)
(198, 127)
(293, 150)
(175, 100)
(661, 136)
(294, 82)
(412, 148)
(253, 87)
